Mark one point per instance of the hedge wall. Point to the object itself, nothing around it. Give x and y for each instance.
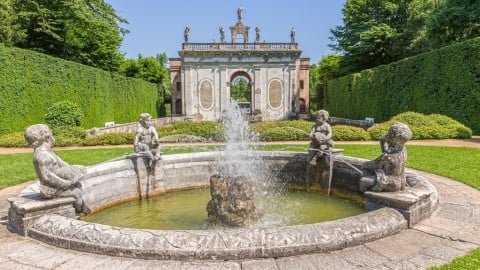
(30, 82)
(444, 81)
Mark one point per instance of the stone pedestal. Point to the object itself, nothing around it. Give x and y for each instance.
(232, 203)
(415, 202)
(25, 210)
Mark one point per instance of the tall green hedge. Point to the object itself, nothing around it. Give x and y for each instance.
(444, 81)
(30, 82)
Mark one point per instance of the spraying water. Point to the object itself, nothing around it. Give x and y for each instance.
(240, 158)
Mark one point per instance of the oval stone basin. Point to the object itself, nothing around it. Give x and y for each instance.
(110, 183)
(186, 210)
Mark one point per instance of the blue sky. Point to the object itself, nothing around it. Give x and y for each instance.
(157, 26)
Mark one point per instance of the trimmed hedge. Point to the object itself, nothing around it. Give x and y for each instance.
(432, 126)
(30, 82)
(423, 127)
(444, 81)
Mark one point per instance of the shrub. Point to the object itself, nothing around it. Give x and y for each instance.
(283, 130)
(434, 126)
(457, 129)
(348, 133)
(63, 114)
(67, 136)
(205, 129)
(15, 139)
(110, 139)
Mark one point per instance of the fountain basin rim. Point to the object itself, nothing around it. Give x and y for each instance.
(227, 244)
(65, 231)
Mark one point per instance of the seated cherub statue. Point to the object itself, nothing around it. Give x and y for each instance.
(320, 136)
(57, 178)
(387, 172)
(146, 142)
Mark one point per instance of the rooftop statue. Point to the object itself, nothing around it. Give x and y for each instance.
(222, 34)
(240, 13)
(292, 35)
(185, 34)
(257, 34)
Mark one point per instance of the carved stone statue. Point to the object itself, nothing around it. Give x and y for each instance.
(257, 34)
(240, 13)
(57, 178)
(387, 172)
(222, 34)
(320, 136)
(146, 141)
(292, 35)
(185, 34)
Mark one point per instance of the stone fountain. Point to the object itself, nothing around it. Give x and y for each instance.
(55, 221)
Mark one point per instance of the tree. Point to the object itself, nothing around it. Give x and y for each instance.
(8, 29)
(241, 90)
(370, 29)
(328, 68)
(454, 21)
(415, 33)
(150, 69)
(85, 31)
(154, 70)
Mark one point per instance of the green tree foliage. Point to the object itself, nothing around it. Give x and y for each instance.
(377, 32)
(370, 34)
(444, 81)
(454, 21)
(154, 70)
(240, 90)
(150, 69)
(415, 32)
(84, 31)
(8, 29)
(328, 68)
(64, 114)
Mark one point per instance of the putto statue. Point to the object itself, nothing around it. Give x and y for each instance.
(292, 35)
(222, 34)
(146, 141)
(186, 33)
(57, 178)
(387, 172)
(320, 136)
(240, 13)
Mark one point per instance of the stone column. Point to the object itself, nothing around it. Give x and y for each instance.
(257, 90)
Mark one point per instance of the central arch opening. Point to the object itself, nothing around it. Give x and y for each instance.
(241, 91)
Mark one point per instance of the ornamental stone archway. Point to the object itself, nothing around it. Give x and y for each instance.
(202, 76)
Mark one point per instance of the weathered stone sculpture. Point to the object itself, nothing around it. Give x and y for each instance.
(146, 142)
(57, 178)
(320, 136)
(232, 203)
(387, 172)
(222, 34)
(186, 33)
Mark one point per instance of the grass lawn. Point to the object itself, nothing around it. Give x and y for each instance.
(461, 164)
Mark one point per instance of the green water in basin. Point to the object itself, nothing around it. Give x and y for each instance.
(186, 210)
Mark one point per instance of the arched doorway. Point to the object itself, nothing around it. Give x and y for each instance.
(241, 90)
